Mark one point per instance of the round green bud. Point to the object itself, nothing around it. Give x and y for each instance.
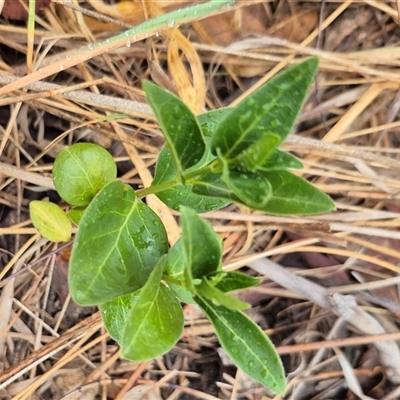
(81, 170)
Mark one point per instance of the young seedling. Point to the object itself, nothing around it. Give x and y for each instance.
(120, 258)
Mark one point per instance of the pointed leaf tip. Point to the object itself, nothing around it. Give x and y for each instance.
(246, 344)
(179, 125)
(273, 107)
(201, 245)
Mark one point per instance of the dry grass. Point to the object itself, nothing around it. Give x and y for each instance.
(333, 310)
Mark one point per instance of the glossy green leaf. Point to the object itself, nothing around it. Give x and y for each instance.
(179, 125)
(50, 220)
(174, 273)
(81, 170)
(219, 297)
(201, 245)
(211, 184)
(209, 120)
(274, 107)
(252, 189)
(246, 344)
(175, 263)
(183, 294)
(114, 314)
(75, 214)
(257, 153)
(119, 241)
(233, 280)
(154, 323)
(294, 195)
(279, 160)
(182, 195)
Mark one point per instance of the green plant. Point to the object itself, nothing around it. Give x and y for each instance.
(120, 258)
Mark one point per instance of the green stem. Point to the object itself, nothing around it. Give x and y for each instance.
(211, 167)
(156, 188)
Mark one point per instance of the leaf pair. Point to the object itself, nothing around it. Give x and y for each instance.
(148, 323)
(79, 172)
(278, 192)
(246, 139)
(242, 339)
(235, 151)
(182, 195)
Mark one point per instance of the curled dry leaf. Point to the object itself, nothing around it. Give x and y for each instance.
(191, 89)
(193, 95)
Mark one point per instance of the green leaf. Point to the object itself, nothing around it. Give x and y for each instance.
(114, 314)
(75, 214)
(50, 220)
(155, 321)
(274, 107)
(182, 195)
(119, 241)
(288, 193)
(175, 264)
(166, 171)
(246, 344)
(179, 125)
(280, 159)
(233, 280)
(257, 153)
(174, 273)
(182, 293)
(201, 245)
(209, 120)
(81, 170)
(218, 297)
(211, 184)
(252, 189)
(294, 195)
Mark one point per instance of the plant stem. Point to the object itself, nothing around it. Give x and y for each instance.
(212, 166)
(156, 188)
(190, 176)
